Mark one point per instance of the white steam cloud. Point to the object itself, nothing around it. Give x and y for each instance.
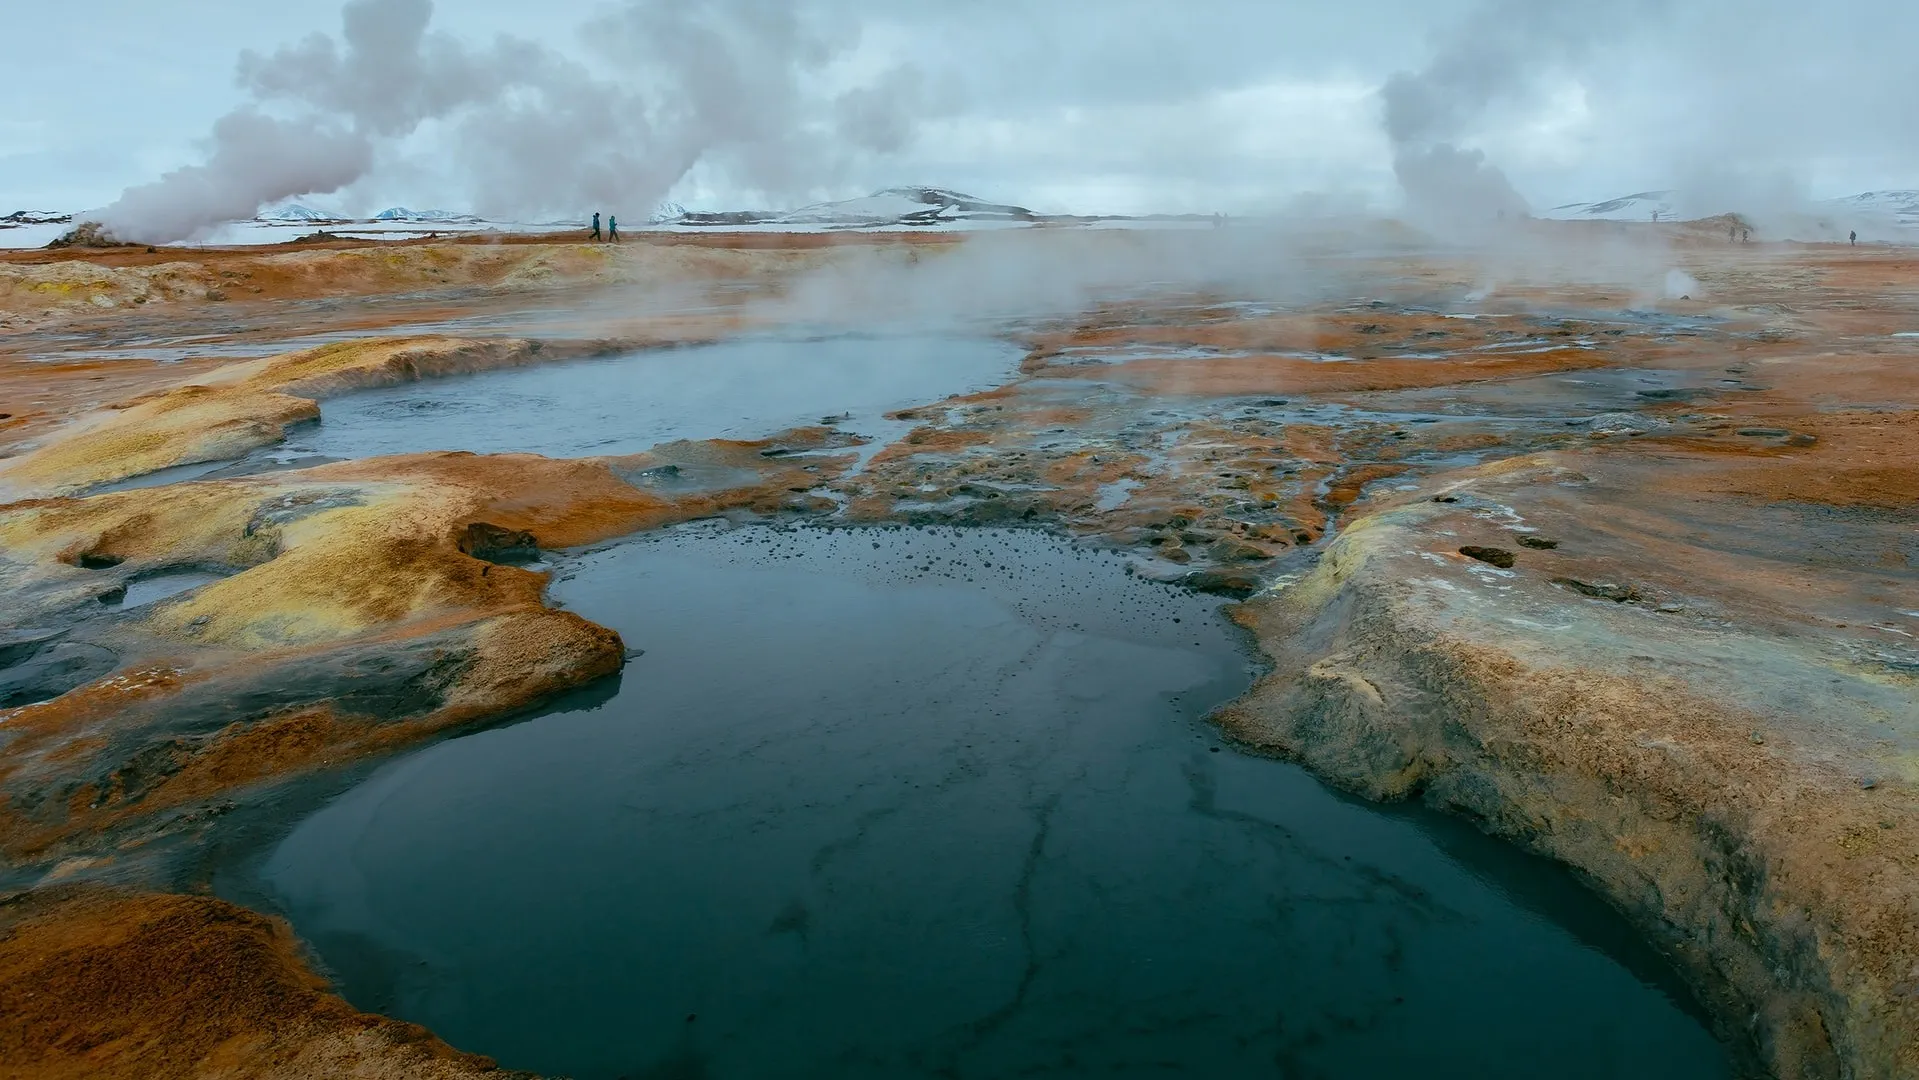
(741, 86)
(1496, 55)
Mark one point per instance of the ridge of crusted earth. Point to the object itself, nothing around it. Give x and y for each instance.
(1634, 588)
(238, 407)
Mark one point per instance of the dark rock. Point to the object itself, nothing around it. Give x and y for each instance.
(658, 474)
(97, 560)
(1538, 543)
(1228, 550)
(1222, 581)
(499, 545)
(1618, 594)
(1499, 557)
(85, 234)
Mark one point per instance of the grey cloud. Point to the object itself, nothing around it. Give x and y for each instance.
(1497, 53)
(1132, 105)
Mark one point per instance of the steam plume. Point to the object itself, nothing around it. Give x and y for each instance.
(1496, 55)
(735, 85)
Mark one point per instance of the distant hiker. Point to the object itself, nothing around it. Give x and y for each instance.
(613, 229)
(1745, 236)
(1655, 217)
(1732, 234)
(1854, 238)
(596, 226)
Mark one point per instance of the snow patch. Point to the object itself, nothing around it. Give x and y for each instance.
(401, 213)
(919, 207)
(296, 212)
(1640, 206)
(21, 218)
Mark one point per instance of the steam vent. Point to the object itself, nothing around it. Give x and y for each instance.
(1379, 628)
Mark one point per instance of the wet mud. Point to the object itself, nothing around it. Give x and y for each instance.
(1628, 582)
(749, 388)
(965, 820)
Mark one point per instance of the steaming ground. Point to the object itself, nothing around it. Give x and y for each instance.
(1599, 533)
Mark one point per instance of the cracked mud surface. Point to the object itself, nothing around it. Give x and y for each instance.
(1695, 682)
(959, 824)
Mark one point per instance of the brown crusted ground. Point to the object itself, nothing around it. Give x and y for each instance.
(1282, 374)
(78, 999)
(1728, 750)
(37, 286)
(238, 256)
(38, 398)
(1731, 750)
(1728, 744)
(239, 407)
(340, 557)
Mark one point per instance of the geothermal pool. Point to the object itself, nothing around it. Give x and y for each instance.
(743, 388)
(738, 389)
(895, 803)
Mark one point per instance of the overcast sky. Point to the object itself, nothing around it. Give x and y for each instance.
(1122, 106)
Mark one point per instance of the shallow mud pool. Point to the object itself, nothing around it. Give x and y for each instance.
(939, 803)
(743, 388)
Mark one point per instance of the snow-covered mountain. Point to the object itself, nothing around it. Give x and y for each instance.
(907, 206)
(401, 213)
(22, 218)
(1879, 214)
(1901, 207)
(1639, 206)
(910, 206)
(33, 228)
(295, 212)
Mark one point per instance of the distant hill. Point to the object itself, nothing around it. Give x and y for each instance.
(1900, 206)
(1640, 206)
(401, 213)
(20, 218)
(1880, 214)
(921, 206)
(296, 212)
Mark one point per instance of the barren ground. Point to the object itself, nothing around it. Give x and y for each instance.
(1631, 581)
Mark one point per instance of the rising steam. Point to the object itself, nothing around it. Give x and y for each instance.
(735, 85)
(1496, 56)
